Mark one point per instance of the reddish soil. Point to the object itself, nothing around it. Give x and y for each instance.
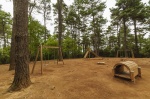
(79, 79)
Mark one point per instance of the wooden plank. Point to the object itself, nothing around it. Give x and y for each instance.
(123, 76)
(86, 54)
(132, 76)
(101, 63)
(41, 59)
(35, 61)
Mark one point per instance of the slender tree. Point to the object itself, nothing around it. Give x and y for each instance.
(44, 8)
(12, 49)
(122, 6)
(60, 28)
(148, 14)
(20, 23)
(4, 25)
(115, 22)
(137, 14)
(32, 5)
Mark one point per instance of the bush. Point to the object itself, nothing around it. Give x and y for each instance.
(5, 55)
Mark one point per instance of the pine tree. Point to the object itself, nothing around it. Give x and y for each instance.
(20, 25)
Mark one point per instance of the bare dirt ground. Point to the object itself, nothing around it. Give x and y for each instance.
(79, 79)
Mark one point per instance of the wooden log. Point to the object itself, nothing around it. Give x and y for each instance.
(41, 50)
(86, 54)
(101, 63)
(35, 61)
(139, 71)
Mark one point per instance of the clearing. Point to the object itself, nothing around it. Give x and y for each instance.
(79, 79)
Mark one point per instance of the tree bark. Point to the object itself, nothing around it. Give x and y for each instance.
(45, 22)
(4, 34)
(20, 22)
(60, 28)
(125, 36)
(12, 49)
(118, 35)
(136, 39)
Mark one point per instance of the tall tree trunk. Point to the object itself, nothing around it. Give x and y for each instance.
(4, 34)
(95, 36)
(99, 41)
(118, 34)
(20, 22)
(78, 26)
(60, 28)
(31, 7)
(136, 39)
(12, 50)
(45, 21)
(125, 36)
(7, 39)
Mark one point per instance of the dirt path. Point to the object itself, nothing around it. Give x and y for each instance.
(79, 79)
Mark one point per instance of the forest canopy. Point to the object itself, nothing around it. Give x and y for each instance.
(83, 27)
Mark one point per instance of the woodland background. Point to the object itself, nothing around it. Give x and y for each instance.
(83, 27)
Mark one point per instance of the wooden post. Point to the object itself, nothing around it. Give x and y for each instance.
(139, 71)
(41, 54)
(132, 76)
(35, 60)
(62, 57)
(57, 56)
(86, 54)
(40, 50)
